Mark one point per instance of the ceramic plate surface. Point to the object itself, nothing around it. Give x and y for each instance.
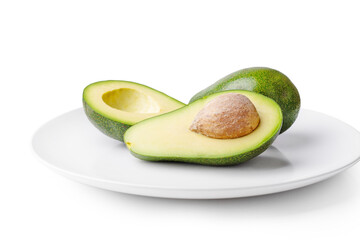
(315, 148)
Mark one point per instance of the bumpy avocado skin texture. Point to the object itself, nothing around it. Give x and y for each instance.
(266, 81)
(226, 161)
(109, 127)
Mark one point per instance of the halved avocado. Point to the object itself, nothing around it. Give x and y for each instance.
(168, 138)
(113, 106)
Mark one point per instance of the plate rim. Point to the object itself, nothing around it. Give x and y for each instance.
(143, 186)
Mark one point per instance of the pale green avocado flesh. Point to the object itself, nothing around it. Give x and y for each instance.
(114, 105)
(168, 138)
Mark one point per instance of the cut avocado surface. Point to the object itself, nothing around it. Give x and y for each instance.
(168, 137)
(266, 81)
(113, 106)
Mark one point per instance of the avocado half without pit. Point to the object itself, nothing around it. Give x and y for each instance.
(225, 128)
(113, 106)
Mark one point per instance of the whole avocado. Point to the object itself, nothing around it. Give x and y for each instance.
(266, 81)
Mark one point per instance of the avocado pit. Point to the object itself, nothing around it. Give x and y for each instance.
(227, 116)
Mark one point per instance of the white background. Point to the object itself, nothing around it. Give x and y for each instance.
(50, 50)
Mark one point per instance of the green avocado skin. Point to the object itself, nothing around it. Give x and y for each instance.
(109, 127)
(266, 81)
(226, 161)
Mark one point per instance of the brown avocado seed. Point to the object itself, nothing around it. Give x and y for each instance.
(227, 116)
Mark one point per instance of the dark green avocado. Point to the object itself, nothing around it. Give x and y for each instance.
(266, 81)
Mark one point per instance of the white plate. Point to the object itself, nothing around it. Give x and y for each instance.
(315, 148)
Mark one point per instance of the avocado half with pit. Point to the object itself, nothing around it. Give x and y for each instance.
(113, 106)
(266, 81)
(169, 138)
